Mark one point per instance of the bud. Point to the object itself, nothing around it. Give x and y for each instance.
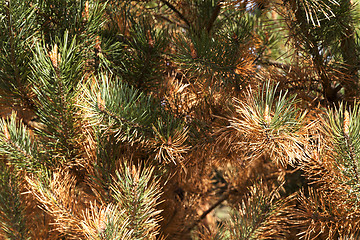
(100, 103)
(54, 56)
(135, 174)
(86, 11)
(169, 142)
(346, 123)
(6, 132)
(316, 155)
(150, 40)
(98, 43)
(193, 51)
(102, 221)
(235, 37)
(267, 117)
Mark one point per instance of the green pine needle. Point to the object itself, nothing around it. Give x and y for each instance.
(17, 145)
(137, 193)
(12, 215)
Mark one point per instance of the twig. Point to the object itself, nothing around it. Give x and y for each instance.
(170, 21)
(274, 64)
(214, 15)
(224, 197)
(176, 11)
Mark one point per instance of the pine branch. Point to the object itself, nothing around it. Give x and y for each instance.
(115, 105)
(56, 191)
(214, 15)
(326, 38)
(12, 44)
(18, 146)
(266, 124)
(260, 216)
(325, 215)
(140, 59)
(221, 59)
(106, 223)
(350, 52)
(138, 192)
(130, 116)
(17, 28)
(12, 209)
(223, 198)
(56, 77)
(342, 126)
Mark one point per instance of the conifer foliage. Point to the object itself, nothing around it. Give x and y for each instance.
(179, 119)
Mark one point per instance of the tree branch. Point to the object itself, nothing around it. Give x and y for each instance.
(214, 15)
(169, 5)
(328, 91)
(283, 66)
(224, 197)
(350, 57)
(170, 21)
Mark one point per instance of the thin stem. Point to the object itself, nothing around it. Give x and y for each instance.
(328, 91)
(224, 197)
(213, 17)
(350, 57)
(169, 5)
(119, 119)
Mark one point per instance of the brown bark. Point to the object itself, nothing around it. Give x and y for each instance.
(351, 60)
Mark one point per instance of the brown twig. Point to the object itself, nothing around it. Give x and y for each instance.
(224, 197)
(213, 17)
(329, 92)
(170, 21)
(169, 5)
(274, 64)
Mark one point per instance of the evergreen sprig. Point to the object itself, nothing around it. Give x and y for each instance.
(317, 11)
(12, 209)
(131, 116)
(137, 193)
(138, 58)
(327, 23)
(321, 215)
(55, 78)
(58, 196)
(108, 153)
(343, 126)
(93, 20)
(18, 146)
(275, 110)
(267, 123)
(81, 18)
(259, 216)
(217, 49)
(121, 109)
(217, 58)
(170, 139)
(17, 29)
(107, 223)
